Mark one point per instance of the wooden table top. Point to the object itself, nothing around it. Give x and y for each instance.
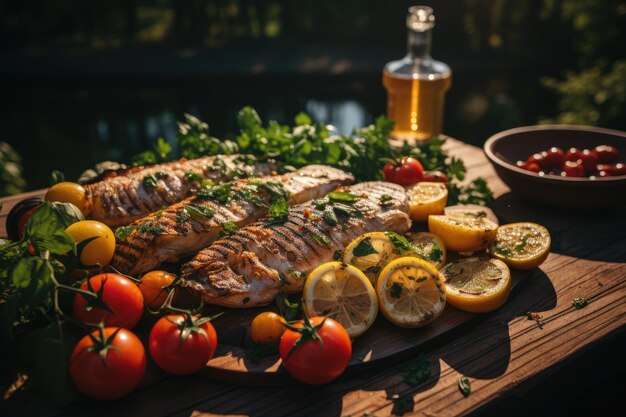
(514, 365)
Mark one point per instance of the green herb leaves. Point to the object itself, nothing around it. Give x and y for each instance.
(341, 197)
(579, 303)
(228, 228)
(464, 386)
(364, 248)
(399, 242)
(200, 212)
(279, 211)
(151, 180)
(220, 193)
(321, 239)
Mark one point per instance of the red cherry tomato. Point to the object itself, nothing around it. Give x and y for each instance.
(573, 154)
(435, 176)
(618, 169)
(590, 161)
(116, 375)
(407, 172)
(122, 297)
(539, 159)
(176, 353)
(533, 167)
(521, 164)
(312, 362)
(554, 157)
(573, 169)
(606, 154)
(603, 174)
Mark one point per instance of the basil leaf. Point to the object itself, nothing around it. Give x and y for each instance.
(330, 218)
(321, 240)
(364, 248)
(200, 212)
(400, 242)
(342, 197)
(31, 277)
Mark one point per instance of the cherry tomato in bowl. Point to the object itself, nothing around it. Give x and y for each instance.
(573, 169)
(405, 172)
(606, 154)
(590, 161)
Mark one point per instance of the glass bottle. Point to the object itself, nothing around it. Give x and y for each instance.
(416, 84)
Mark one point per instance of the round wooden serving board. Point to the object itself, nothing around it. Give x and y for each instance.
(382, 345)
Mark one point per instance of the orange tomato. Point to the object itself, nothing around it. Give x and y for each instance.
(267, 327)
(153, 287)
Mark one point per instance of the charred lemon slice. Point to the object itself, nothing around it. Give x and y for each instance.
(429, 247)
(371, 252)
(463, 231)
(426, 198)
(343, 293)
(477, 285)
(410, 292)
(521, 245)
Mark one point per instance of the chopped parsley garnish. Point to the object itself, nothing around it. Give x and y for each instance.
(193, 177)
(148, 227)
(182, 216)
(464, 386)
(400, 242)
(386, 200)
(151, 180)
(321, 239)
(200, 212)
(337, 255)
(435, 254)
(122, 232)
(220, 193)
(279, 211)
(364, 248)
(579, 303)
(228, 228)
(396, 290)
(342, 197)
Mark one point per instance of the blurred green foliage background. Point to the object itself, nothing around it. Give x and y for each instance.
(92, 80)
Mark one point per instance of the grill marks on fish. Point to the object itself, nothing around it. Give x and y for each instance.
(250, 267)
(133, 194)
(186, 227)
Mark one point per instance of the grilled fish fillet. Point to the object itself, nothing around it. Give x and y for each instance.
(122, 199)
(186, 227)
(251, 266)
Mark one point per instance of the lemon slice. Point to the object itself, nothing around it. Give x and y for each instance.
(426, 198)
(429, 247)
(343, 293)
(463, 231)
(411, 293)
(521, 245)
(371, 252)
(477, 285)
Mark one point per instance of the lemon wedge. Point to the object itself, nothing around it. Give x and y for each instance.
(426, 198)
(463, 231)
(429, 247)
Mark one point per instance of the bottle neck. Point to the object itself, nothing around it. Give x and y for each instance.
(418, 44)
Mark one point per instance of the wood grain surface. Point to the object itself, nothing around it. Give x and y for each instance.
(513, 364)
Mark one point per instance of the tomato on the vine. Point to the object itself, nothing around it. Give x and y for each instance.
(267, 327)
(108, 363)
(316, 350)
(181, 345)
(435, 176)
(405, 172)
(119, 301)
(153, 286)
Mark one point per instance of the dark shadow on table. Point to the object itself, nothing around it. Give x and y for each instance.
(580, 234)
(494, 344)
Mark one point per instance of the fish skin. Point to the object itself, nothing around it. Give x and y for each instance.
(122, 199)
(180, 234)
(250, 267)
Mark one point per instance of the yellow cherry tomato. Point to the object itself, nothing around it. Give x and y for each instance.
(100, 250)
(153, 287)
(70, 192)
(267, 327)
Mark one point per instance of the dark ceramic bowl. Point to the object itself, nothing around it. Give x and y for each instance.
(505, 148)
